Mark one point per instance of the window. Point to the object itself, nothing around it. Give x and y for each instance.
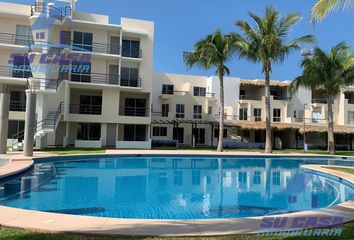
(83, 41)
(257, 177)
(178, 178)
(246, 134)
(276, 115)
(21, 67)
(167, 89)
(199, 91)
(135, 107)
(316, 116)
(243, 114)
(276, 178)
(129, 77)
(89, 131)
(242, 178)
(350, 117)
(17, 101)
(80, 72)
(257, 114)
(159, 131)
(23, 35)
(216, 133)
(195, 177)
(179, 110)
(197, 112)
(242, 94)
(165, 110)
(134, 133)
(14, 128)
(91, 105)
(210, 110)
(199, 134)
(131, 48)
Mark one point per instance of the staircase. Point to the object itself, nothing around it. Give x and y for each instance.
(46, 126)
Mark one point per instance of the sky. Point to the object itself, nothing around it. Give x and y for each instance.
(181, 23)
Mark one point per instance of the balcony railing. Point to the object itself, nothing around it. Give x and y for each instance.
(134, 111)
(160, 114)
(311, 120)
(131, 52)
(85, 109)
(130, 82)
(350, 100)
(250, 97)
(320, 101)
(18, 106)
(16, 39)
(97, 48)
(281, 98)
(95, 78)
(51, 11)
(167, 92)
(6, 71)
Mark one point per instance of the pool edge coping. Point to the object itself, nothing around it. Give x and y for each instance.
(95, 226)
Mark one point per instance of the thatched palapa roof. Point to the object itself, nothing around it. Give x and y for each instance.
(261, 83)
(249, 125)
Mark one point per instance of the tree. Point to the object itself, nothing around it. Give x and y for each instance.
(328, 73)
(214, 51)
(323, 7)
(265, 43)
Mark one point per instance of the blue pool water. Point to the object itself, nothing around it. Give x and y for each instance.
(174, 187)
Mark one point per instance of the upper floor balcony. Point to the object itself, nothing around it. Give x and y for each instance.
(102, 78)
(15, 40)
(15, 72)
(49, 10)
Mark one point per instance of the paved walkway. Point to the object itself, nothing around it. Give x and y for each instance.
(60, 223)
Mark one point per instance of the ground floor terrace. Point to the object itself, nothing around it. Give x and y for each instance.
(176, 134)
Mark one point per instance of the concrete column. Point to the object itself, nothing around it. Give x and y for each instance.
(4, 118)
(30, 123)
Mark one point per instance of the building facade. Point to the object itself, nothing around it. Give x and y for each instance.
(94, 86)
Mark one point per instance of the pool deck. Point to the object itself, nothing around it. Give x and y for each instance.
(61, 223)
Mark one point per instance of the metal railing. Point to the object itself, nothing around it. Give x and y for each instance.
(16, 39)
(97, 47)
(15, 72)
(134, 111)
(350, 100)
(48, 123)
(281, 98)
(175, 92)
(130, 82)
(250, 97)
(320, 101)
(87, 109)
(131, 52)
(18, 106)
(51, 11)
(41, 84)
(95, 78)
(311, 120)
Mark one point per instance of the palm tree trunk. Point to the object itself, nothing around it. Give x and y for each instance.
(222, 112)
(331, 145)
(268, 144)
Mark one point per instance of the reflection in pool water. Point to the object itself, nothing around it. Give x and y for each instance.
(174, 187)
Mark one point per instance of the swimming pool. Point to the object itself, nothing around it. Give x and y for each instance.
(175, 187)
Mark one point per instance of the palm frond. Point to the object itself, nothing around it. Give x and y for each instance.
(323, 7)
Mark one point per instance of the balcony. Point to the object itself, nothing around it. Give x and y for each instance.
(94, 47)
(131, 52)
(18, 106)
(281, 98)
(130, 82)
(94, 78)
(15, 39)
(57, 13)
(134, 111)
(85, 109)
(13, 72)
(250, 97)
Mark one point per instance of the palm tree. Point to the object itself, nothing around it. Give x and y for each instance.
(265, 43)
(323, 7)
(328, 73)
(214, 51)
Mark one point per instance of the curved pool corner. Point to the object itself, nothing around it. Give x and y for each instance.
(63, 223)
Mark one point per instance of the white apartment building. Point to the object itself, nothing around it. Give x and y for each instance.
(90, 83)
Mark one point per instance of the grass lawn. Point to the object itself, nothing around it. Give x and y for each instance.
(66, 151)
(6, 233)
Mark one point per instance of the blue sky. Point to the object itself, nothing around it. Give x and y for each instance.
(180, 23)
